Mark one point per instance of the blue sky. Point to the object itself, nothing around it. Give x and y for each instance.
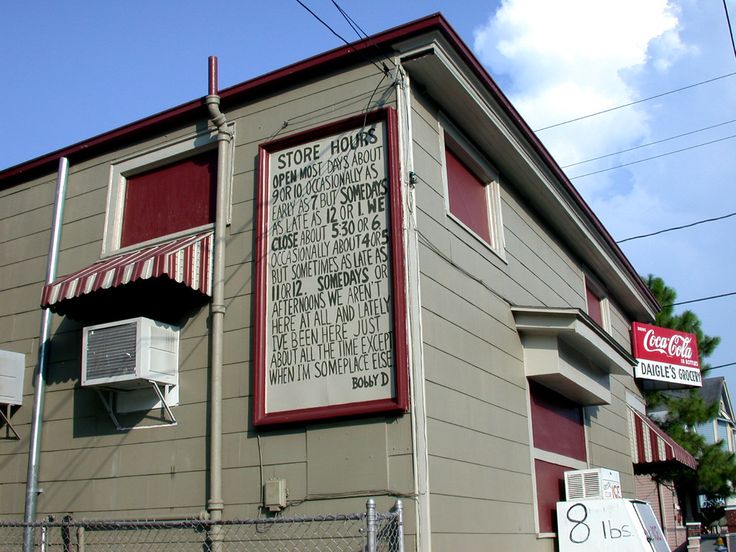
(72, 70)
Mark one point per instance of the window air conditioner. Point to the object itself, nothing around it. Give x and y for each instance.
(12, 368)
(129, 354)
(594, 483)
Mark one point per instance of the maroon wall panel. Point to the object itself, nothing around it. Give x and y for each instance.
(557, 424)
(468, 199)
(170, 199)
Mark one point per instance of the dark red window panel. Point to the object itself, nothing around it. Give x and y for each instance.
(557, 423)
(550, 480)
(170, 199)
(467, 195)
(594, 305)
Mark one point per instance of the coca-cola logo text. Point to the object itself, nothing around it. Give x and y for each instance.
(674, 345)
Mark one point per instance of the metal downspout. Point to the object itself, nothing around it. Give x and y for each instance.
(39, 377)
(215, 504)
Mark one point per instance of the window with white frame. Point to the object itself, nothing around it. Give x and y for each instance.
(473, 196)
(163, 193)
(558, 445)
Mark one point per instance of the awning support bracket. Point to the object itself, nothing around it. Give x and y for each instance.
(168, 419)
(5, 416)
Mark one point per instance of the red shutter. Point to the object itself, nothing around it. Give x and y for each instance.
(170, 199)
(557, 424)
(467, 196)
(594, 305)
(550, 480)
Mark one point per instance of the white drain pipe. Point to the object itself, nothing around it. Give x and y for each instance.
(39, 377)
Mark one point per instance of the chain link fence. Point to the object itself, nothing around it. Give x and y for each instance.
(369, 531)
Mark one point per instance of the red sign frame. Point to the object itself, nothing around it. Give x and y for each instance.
(400, 400)
(665, 355)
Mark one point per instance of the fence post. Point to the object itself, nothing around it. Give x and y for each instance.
(80, 538)
(66, 537)
(399, 507)
(370, 520)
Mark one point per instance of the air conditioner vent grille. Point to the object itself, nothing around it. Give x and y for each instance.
(111, 351)
(591, 484)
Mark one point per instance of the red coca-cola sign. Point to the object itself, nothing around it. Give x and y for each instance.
(666, 355)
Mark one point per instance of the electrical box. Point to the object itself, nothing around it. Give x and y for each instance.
(128, 354)
(593, 483)
(12, 369)
(275, 494)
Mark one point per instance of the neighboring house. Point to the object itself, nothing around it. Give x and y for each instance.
(394, 286)
(720, 429)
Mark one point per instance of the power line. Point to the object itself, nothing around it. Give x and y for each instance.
(358, 30)
(677, 228)
(701, 299)
(722, 365)
(635, 102)
(383, 69)
(654, 157)
(649, 144)
(730, 30)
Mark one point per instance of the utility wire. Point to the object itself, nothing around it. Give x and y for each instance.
(722, 365)
(676, 228)
(654, 157)
(635, 102)
(357, 28)
(701, 299)
(730, 30)
(383, 69)
(649, 144)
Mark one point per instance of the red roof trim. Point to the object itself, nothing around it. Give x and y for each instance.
(337, 57)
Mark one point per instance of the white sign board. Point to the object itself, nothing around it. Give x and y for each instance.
(608, 525)
(327, 274)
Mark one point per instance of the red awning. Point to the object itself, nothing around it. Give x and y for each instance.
(184, 260)
(650, 444)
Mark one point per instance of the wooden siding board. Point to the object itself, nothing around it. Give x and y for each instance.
(474, 516)
(462, 344)
(27, 197)
(466, 411)
(453, 306)
(401, 474)
(452, 477)
(333, 467)
(26, 247)
(451, 372)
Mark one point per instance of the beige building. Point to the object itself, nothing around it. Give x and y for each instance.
(370, 270)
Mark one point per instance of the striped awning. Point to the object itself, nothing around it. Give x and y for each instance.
(650, 444)
(184, 260)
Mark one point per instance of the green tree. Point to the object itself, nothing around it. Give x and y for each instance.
(686, 409)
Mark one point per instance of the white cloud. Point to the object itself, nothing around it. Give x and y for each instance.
(571, 57)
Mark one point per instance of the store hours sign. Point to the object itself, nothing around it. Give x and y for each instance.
(330, 337)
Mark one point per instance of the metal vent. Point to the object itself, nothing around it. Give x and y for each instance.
(111, 351)
(575, 487)
(591, 484)
(583, 484)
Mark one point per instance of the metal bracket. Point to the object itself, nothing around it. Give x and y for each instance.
(5, 416)
(108, 403)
